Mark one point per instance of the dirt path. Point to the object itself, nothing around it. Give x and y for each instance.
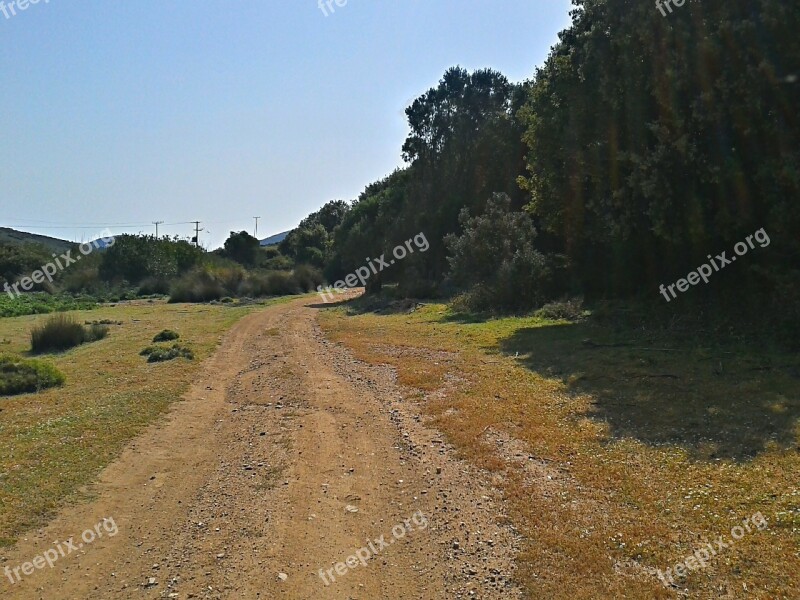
(286, 458)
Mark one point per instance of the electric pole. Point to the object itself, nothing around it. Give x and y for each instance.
(157, 223)
(256, 218)
(197, 231)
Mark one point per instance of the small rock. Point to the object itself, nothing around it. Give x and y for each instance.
(283, 576)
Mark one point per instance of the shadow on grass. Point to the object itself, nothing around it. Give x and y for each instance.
(718, 403)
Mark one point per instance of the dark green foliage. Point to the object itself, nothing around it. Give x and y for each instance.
(164, 353)
(134, 258)
(24, 376)
(242, 248)
(308, 278)
(20, 260)
(496, 261)
(62, 332)
(166, 335)
(311, 242)
(654, 141)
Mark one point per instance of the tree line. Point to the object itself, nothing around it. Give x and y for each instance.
(642, 145)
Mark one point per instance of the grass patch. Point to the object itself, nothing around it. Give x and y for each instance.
(40, 303)
(637, 445)
(166, 335)
(62, 332)
(165, 353)
(24, 376)
(54, 444)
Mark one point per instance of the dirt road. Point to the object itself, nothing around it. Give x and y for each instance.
(286, 458)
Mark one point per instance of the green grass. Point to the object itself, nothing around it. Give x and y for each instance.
(638, 443)
(166, 335)
(25, 376)
(53, 444)
(165, 353)
(41, 303)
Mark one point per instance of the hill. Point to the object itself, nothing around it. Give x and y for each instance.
(14, 237)
(275, 239)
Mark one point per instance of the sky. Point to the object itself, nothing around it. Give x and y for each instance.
(118, 114)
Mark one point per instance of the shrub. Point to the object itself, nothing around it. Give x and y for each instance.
(167, 335)
(61, 332)
(24, 376)
(152, 286)
(198, 286)
(567, 310)
(271, 283)
(164, 353)
(308, 278)
(496, 261)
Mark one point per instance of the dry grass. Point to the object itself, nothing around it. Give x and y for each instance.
(618, 457)
(53, 444)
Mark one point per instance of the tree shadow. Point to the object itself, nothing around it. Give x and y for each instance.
(722, 402)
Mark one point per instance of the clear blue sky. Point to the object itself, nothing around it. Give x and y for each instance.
(130, 112)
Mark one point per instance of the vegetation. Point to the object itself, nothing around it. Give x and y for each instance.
(42, 303)
(167, 335)
(621, 445)
(62, 332)
(165, 353)
(641, 146)
(24, 376)
(57, 442)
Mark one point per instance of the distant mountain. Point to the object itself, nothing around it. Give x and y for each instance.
(12, 236)
(275, 239)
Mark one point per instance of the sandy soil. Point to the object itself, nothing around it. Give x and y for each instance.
(286, 458)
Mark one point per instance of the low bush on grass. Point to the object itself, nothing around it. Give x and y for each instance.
(167, 335)
(62, 332)
(164, 353)
(25, 376)
(567, 310)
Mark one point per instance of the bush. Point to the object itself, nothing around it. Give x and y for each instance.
(167, 335)
(152, 286)
(164, 353)
(496, 261)
(62, 332)
(308, 278)
(567, 310)
(24, 376)
(271, 283)
(198, 286)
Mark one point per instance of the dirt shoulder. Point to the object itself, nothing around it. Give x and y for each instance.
(286, 458)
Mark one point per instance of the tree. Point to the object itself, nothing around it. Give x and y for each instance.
(242, 247)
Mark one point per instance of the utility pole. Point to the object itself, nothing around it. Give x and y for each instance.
(197, 231)
(157, 223)
(256, 218)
